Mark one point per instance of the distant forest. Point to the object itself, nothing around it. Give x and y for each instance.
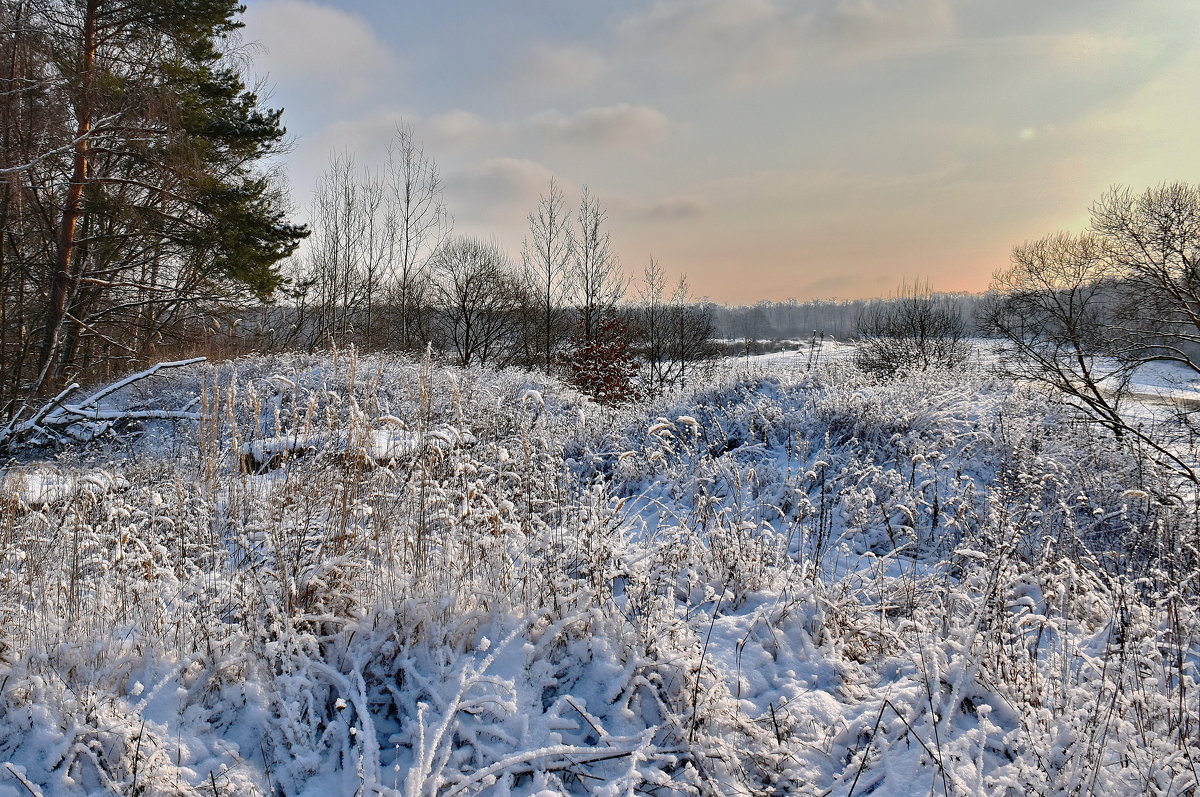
(768, 322)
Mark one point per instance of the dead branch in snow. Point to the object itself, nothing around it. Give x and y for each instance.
(56, 416)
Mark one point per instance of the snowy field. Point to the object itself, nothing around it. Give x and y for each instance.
(373, 576)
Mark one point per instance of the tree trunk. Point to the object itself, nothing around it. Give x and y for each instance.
(60, 286)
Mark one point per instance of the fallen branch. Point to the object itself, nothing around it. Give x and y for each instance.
(24, 781)
(14, 428)
(569, 755)
(103, 392)
(55, 416)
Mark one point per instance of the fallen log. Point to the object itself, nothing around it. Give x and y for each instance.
(378, 446)
(56, 417)
(39, 487)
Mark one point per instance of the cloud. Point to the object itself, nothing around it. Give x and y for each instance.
(877, 28)
(560, 68)
(460, 130)
(1085, 52)
(313, 46)
(498, 184)
(453, 131)
(676, 209)
(746, 42)
(367, 139)
(1080, 48)
(612, 126)
(366, 136)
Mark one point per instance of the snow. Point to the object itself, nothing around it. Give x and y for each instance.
(792, 579)
(42, 486)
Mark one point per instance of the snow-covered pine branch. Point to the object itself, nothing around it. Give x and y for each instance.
(101, 126)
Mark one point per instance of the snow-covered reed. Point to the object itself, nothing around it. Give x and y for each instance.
(798, 582)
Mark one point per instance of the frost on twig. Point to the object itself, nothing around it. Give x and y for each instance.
(87, 419)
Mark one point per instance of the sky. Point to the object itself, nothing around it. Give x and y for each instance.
(769, 149)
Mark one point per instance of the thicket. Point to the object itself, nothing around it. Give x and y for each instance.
(915, 330)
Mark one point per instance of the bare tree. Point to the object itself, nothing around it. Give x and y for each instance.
(690, 333)
(1152, 243)
(342, 263)
(1082, 314)
(1049, 306)
(546, 257)
(419, 225)
(653, 317)
(675, 333)
(915, 331)
(364, 277)
(29, 117)
(476, 299)
(595, 273)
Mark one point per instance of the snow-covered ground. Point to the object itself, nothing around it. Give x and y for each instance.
(790, 580)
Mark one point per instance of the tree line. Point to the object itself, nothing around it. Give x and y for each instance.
(769, 322)
(384, 269)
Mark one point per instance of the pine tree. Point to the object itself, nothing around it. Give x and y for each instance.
(160, 212)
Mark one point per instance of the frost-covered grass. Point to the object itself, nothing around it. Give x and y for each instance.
(788, 581)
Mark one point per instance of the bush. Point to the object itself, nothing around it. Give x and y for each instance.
(603, 366)
(914, 332)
